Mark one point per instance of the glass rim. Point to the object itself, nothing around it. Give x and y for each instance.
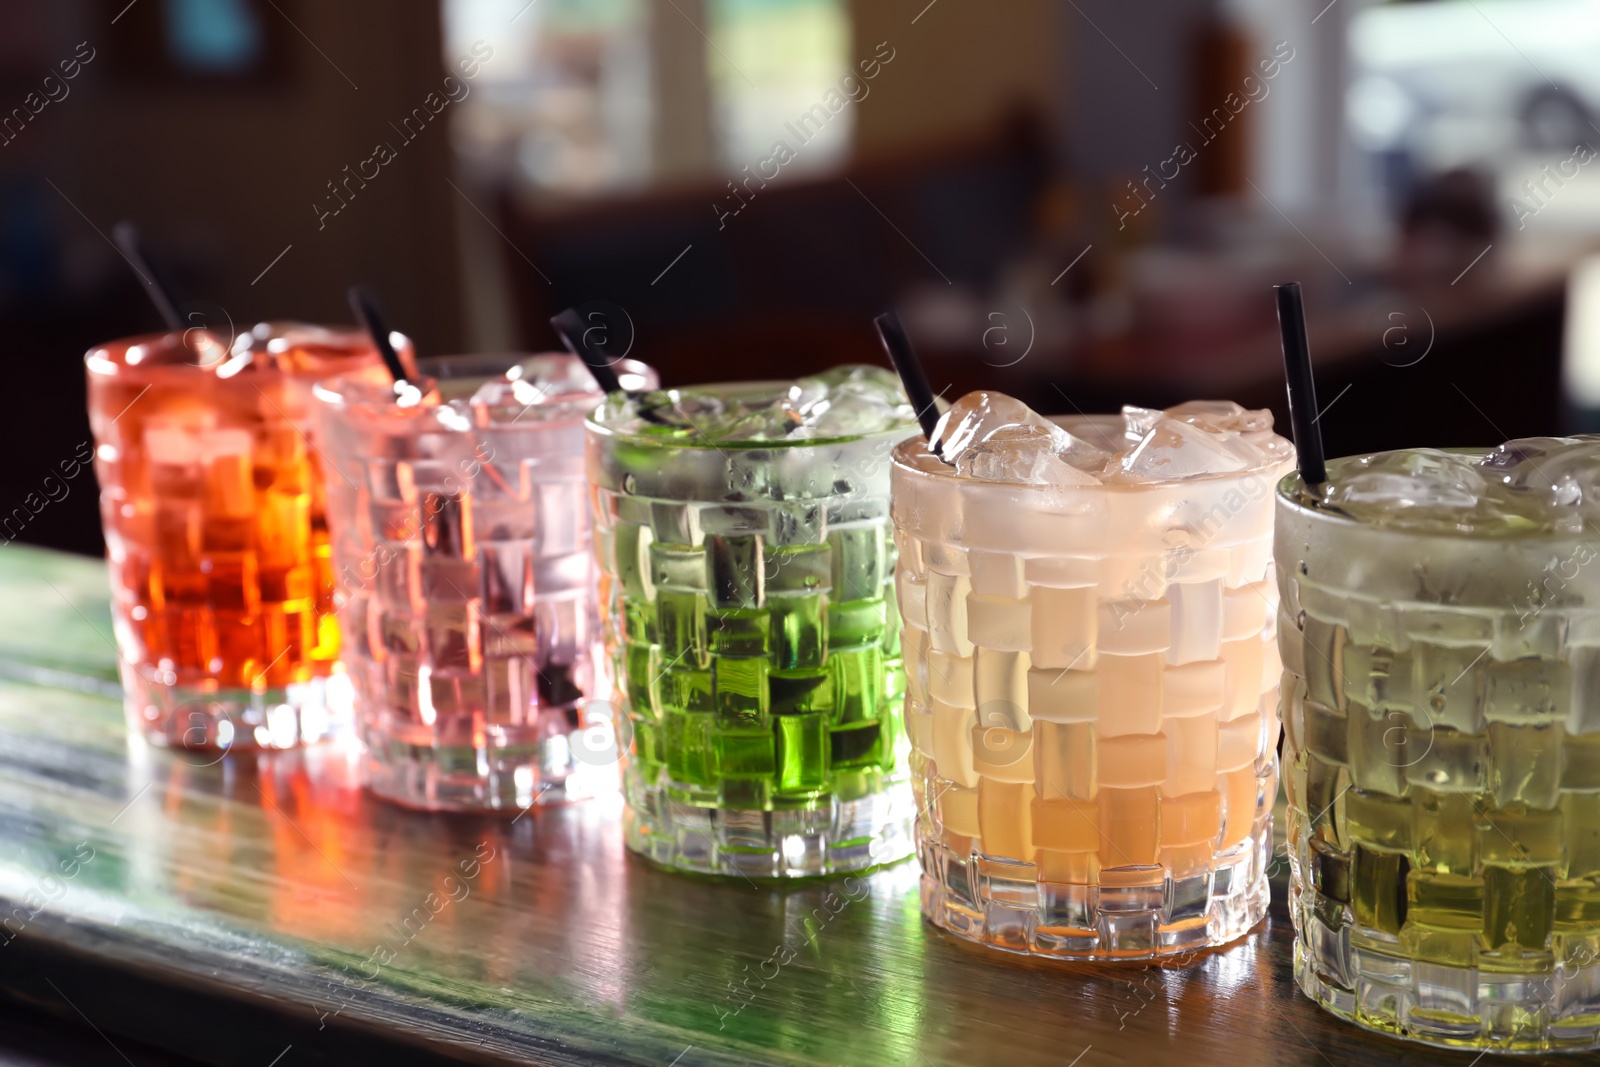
(502, 359)
(337, 391)
(109, 358)
(1286, 497)
(700, 444)
(947, 472)
(276, 328)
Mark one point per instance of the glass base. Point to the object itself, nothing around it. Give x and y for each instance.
(836, 837)
(175, 715)
(972, 897)
(510, 769)
(1502, 1009)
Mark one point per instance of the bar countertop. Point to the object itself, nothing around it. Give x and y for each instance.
(239, 909)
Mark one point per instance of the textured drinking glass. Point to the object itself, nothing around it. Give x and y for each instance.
(1442, 727)
(743, 533)
(465, 580)
(1091, 675)
(215, 532)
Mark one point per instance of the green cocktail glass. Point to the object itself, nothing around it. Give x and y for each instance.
(747, 568)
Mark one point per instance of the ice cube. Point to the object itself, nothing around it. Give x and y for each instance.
(1516, 459)
(553, 376)
(747, 413)
(499, 400)
(173, 445)
(1540, 479)
(973, 418)
(846, 401)
(1173, 449)
(1564, 471)
(806, 392)
(1106, 432)
(849, 411)
(1542, 483)
(534, 381)
(1223, 415)
(498, 392)
(226, 441)
(1139, 421)
(995, 438)
(701, 413)
(1418, 478)
(849, 400)
(1015, 460)
(1080, 453)
(1244, 446)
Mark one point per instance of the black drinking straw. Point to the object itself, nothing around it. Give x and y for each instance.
(156, 286)
(569, 327)
(906, 364)
(366, 311)
(1302, 389)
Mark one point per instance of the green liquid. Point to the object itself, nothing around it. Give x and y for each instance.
(760, 677)
(749, 586)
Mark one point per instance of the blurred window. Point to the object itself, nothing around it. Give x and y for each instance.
(1507, 87)
(770, 63)
(563, 104)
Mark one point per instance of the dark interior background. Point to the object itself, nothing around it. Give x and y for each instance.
(986, 186)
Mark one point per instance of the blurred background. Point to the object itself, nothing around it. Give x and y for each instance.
(1083, 204)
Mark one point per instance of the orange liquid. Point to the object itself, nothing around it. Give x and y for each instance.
(213, 508)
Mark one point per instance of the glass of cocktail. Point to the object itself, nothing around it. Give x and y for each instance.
(1091, 680)
(465, 579)
(215, 531)
(743, 534)
(1443, 741)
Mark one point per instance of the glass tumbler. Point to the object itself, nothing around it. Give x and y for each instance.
(752, 626)
(1092, 691)
(465, 579)
(1442, 753)
(215, 531)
